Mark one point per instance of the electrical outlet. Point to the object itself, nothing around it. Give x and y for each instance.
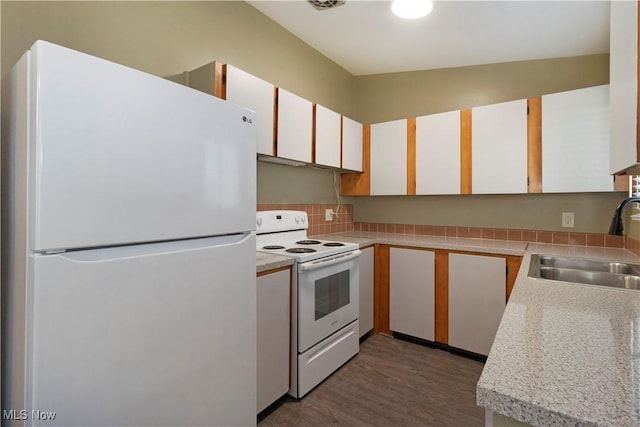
(328, 215)
(568, 219)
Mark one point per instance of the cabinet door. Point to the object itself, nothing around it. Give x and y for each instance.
(623, 77)
(327, 137)
(366, 291)
(499, 148)
(575, 141)
(255, 94)
(477, 297)
(295, 116)
(273, 306)
(412, 292)
(351, 144)
(438, 153)
(389, 158)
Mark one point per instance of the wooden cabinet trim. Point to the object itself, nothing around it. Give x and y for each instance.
(465, 152)
(314, 124)
(534, 145)
(442, 297)
(513, 266)
(220, 80)
(381, 291)
(275, 121)
(291, 320)
(382, 255)
(341, 138)
(359, 183)
(411, 156)
(275, 270)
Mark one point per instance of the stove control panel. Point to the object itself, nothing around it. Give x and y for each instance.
(278, 221)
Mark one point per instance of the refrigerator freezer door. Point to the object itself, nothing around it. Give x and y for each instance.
(120, 156)
(155, 335)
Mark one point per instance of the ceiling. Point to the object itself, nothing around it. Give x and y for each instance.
(364, 37)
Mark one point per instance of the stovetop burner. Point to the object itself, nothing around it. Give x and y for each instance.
(273, 247)
(308, 242)
(300, 250)
(331, 244)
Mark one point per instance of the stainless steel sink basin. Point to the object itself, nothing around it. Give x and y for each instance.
(589, 264)
(585, 271)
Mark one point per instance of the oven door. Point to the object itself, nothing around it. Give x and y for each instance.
(327, 296)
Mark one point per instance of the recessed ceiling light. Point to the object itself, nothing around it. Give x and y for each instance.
(411, 9)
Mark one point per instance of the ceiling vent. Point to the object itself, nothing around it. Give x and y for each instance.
(326, 4)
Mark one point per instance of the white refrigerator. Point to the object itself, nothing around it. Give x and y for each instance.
(128, 248)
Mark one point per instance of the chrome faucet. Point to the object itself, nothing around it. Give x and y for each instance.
(616, 227)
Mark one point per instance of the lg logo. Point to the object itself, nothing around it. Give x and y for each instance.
(247, 119)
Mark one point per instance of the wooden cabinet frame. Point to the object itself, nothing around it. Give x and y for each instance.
(382, 286)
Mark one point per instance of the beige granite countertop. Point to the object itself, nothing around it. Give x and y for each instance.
(363, 238)
(566, 354)
(266, 261)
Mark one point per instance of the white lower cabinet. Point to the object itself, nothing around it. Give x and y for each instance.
(366, 291)
(274, 315)
(412, 292)
(477, 298)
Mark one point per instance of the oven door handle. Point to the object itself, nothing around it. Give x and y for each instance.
(326, 262)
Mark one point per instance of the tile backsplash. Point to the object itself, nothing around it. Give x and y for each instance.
(344, 222)
(555, 237)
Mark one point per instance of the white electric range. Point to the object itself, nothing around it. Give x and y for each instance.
(325, 296)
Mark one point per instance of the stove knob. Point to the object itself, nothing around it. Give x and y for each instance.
(297, 219)
(259, 222)
(303, 219)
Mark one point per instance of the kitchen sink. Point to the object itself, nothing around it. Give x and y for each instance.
(588, 264)
(585, 271)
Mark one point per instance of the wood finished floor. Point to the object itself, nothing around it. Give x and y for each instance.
(390, 383)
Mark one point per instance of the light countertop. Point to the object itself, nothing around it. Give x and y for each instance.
(266, 261)
(566, 354)
(502, 247)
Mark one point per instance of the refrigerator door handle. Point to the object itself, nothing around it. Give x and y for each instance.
(152, 249)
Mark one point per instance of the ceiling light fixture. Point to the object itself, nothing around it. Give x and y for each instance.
(411, 9)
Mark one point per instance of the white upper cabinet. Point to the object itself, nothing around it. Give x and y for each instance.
(389, 158)
(327, 137)
(438, 153)
(623, 78)
(255, 94)
(242, 89)
(499, 148)
(575, 141)
(351, 144)
(295, 117)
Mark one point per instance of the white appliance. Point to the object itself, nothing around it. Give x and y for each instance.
(128, 263)
(325, 301)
